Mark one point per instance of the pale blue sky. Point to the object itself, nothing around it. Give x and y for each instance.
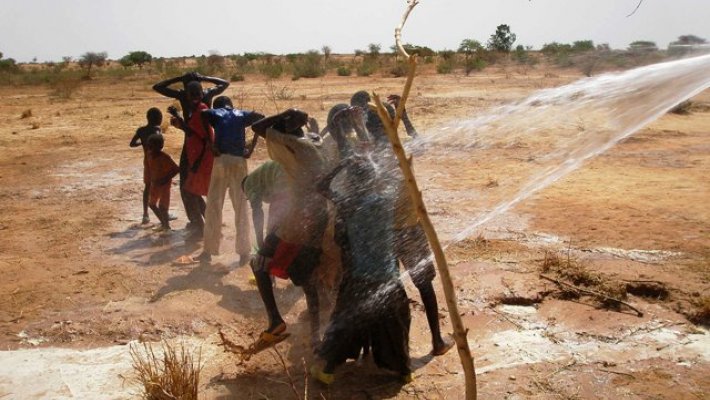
(50, 29)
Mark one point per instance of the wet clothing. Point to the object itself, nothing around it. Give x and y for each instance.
(289, 260)
(199, 156)
(161, 166)
(268, 184)
(372, 308)
(412, 249)
(302, 162)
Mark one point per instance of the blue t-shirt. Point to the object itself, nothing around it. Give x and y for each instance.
(229, 129)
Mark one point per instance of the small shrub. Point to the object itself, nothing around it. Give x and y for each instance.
(367, 68)
(474, 64)
(399, 70)
(271, 70)
(344, 71)
(175, 375)
(64, 88)
(26, 114)
(237, 78)
(445, 67)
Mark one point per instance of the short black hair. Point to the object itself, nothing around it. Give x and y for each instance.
(154, 116)
(360, 99)
(223, 102)
(156, 141)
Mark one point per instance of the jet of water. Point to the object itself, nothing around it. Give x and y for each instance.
(561, 128)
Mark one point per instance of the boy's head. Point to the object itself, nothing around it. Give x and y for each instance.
(291, 122)
(194, 92)
(154, 116)
(156, 142)
(360, 99)
(223, 102)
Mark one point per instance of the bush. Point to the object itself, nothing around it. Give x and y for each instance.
(399, 70)
(367, 68)
(237, 78)
(445, 67)
(308, 65)
(344, 71)
(271, 71)
(474, 64)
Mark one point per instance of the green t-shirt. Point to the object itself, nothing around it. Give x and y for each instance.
(266, 183)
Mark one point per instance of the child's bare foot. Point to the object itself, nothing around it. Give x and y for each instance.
(145, 220)
(442, 347)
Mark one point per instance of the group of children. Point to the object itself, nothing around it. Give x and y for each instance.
(344, 175)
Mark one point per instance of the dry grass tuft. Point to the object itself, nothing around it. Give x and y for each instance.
(492, 182)
(35, 125)
(174, 375)
(26, 114)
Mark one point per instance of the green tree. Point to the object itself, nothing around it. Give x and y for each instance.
(374, 50)
(582, 46)
(126, 62)
(472, 50)
(502, 40)
(90, 59)
(139, 58)
(643, 46)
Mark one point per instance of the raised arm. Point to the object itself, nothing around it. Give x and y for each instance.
(292, 119)
(408, 126)
(163, 88)
(136, 141)
(220, 85)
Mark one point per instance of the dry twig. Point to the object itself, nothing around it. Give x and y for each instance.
(591, 292)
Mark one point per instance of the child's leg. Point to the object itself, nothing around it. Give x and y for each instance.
(164, 205)
(146, 195)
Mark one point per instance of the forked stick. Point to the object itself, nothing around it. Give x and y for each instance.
(405, 165)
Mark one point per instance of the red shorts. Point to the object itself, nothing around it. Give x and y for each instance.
(290, 260)
(160, 196)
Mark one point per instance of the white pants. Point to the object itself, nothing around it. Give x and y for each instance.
(227, 174)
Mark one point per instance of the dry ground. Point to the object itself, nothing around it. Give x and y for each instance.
(80, 271)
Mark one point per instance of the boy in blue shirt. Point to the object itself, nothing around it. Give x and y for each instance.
(230, 168)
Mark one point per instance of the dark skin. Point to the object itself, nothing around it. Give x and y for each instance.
(141, 139)
(290, 122)
(162, 213)
(164, 88)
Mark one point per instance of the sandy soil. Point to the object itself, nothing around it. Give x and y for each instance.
(80, 272)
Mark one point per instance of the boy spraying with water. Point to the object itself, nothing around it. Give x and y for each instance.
(162, 170)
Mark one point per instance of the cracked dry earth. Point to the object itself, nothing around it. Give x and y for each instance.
(83, 280)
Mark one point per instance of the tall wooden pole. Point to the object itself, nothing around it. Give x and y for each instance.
(405, 164)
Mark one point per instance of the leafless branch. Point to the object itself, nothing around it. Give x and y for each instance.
(635, 9)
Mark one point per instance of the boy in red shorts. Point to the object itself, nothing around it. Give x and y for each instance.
(162, 170)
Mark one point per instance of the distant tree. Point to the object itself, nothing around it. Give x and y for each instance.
(7, 64)
(685, 44)
(374, 50)
(643, 46)
(603, 47)
(554, 48)
(139, 58)
(689, 40)
(90, 59)
(502, 40)
(581, 46)
(469, 47)
(327, 51)
(126, 62)
(421, 51)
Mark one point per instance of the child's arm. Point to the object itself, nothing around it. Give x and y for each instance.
(207, 123)
(163, 88)
(220, 86)
(136, 141)
(249, 150)
(174, 170)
